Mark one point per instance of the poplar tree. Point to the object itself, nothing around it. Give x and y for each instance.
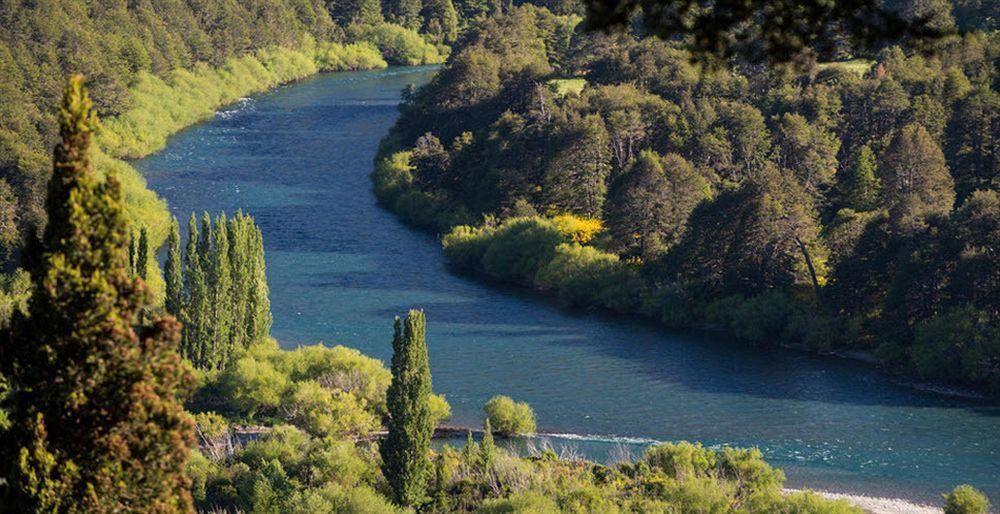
(97, 425)
(410, 426)
(238, 268)
(205, 242)
(173, 274)
(259, 304)
(221, 304)
(196, 301)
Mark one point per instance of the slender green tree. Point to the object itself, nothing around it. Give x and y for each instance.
(205, 243)
(259, 303)
(196, 298)
(487, 448)
(410, 426)
(861, 188)
(143, 255)
(221, 294)
(468, 453)
(173, 274)
(98, 426)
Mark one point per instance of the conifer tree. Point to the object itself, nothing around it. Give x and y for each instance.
(173, 274)
(142, 255)
(97, 422)
(410, 426)
(468, 453)
(861, 187)
(132, 255)
(487, 449)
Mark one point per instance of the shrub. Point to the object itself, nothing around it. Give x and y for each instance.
(578, 229)
(400, 45)
(520, 247)
(508, 417)
(965, 499)
(680, 460)
(353, 56)
(761, 318)
(524, 503)
(578, 273)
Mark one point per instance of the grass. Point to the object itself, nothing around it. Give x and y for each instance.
(856, 66)
(562, 87)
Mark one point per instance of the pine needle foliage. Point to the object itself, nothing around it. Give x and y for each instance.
(98, 425)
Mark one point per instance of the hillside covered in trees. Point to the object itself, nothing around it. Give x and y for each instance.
(157, 66)
(838, 205)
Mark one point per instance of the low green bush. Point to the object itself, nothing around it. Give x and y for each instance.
(510, 418)
(520, 247)
(966, 499)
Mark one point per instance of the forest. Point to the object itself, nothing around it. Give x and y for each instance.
(840, 205)
(848, 203)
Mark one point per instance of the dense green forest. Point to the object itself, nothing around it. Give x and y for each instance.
(847, 204)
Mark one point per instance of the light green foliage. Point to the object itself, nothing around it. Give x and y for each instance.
(325, 391)
(400, 45)
(352, 56)
(563, 87)
(509, 417)
(965, 499)
(525, 503)
(682, 460)
(404, 450)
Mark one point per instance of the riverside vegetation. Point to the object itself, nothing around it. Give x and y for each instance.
(107, 433)
(109, 404)
(852, 204)
(160, 66)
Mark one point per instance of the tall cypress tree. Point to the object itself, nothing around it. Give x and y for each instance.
(173, 274)
(142, 255)
(404, 449)
(97, 423)
(487, 448)
(221, 302)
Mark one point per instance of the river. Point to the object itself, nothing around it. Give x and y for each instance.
(340, 268)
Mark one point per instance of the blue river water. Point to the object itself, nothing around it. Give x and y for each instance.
(340, 268)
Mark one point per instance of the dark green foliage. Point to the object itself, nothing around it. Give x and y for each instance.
(97, 425)
(779, 30)
(860, 187)
(648, 207)
(173, 272)
(829, 195)
(404, 450)
(143, 255)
